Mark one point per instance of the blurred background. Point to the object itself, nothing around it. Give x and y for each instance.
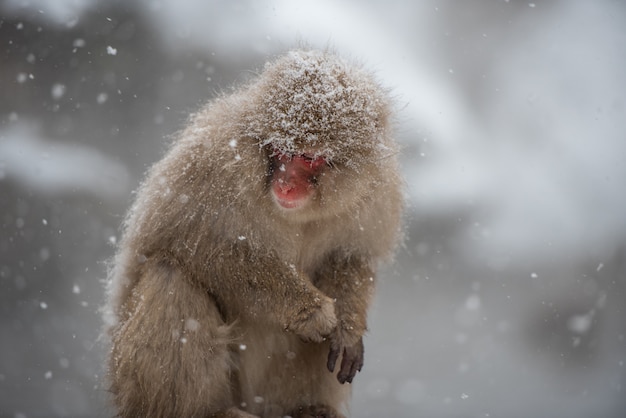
(508, 296)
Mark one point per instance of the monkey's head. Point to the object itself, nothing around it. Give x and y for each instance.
(322, 126)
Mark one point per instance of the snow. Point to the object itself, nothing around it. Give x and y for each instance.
(472, 302)
(581, 324)
(79, 43)
(476, 151)
(507, 297)
(101, 98)
(58, 91)
(317, 99)
(22, 77)
(192, 324)
(53, 167)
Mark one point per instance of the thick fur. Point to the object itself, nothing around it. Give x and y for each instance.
(220, 303)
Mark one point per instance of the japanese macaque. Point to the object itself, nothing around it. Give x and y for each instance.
(241, 284)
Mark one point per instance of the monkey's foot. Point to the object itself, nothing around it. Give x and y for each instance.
(316, 411)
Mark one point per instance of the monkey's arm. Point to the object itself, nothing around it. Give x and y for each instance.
(263, 288)
(349, 279)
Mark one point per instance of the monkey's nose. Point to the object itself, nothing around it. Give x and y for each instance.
(285, 186)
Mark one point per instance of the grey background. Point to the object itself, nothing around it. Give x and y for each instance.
(507, 298)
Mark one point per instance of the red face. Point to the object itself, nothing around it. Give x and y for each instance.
(294, 178)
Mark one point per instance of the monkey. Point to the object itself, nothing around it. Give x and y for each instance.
(247, 262)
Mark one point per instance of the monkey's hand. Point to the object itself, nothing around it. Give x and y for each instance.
(352, 356)
(315, 323)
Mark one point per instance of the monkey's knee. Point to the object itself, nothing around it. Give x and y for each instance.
(178, 379)
(183, 378)
(171, 357)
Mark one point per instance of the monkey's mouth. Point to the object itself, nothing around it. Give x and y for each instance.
(291, 204)
(289, 195)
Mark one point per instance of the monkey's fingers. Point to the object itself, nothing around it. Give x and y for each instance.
(333, 355)
(351, 362)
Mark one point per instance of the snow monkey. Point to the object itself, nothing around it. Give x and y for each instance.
(247, 262)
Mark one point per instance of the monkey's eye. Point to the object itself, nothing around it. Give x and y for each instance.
(308, 159)
(313, 161)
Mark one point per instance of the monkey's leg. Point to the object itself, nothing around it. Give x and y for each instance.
(170, 354)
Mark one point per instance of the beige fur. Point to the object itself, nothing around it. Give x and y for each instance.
(222, 304)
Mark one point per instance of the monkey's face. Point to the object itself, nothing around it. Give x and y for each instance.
(322, 127)
(294, 178)
(308, 185)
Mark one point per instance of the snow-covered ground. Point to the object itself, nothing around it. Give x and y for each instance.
(508, 297)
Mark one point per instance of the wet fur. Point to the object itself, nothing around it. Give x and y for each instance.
(218, 300)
